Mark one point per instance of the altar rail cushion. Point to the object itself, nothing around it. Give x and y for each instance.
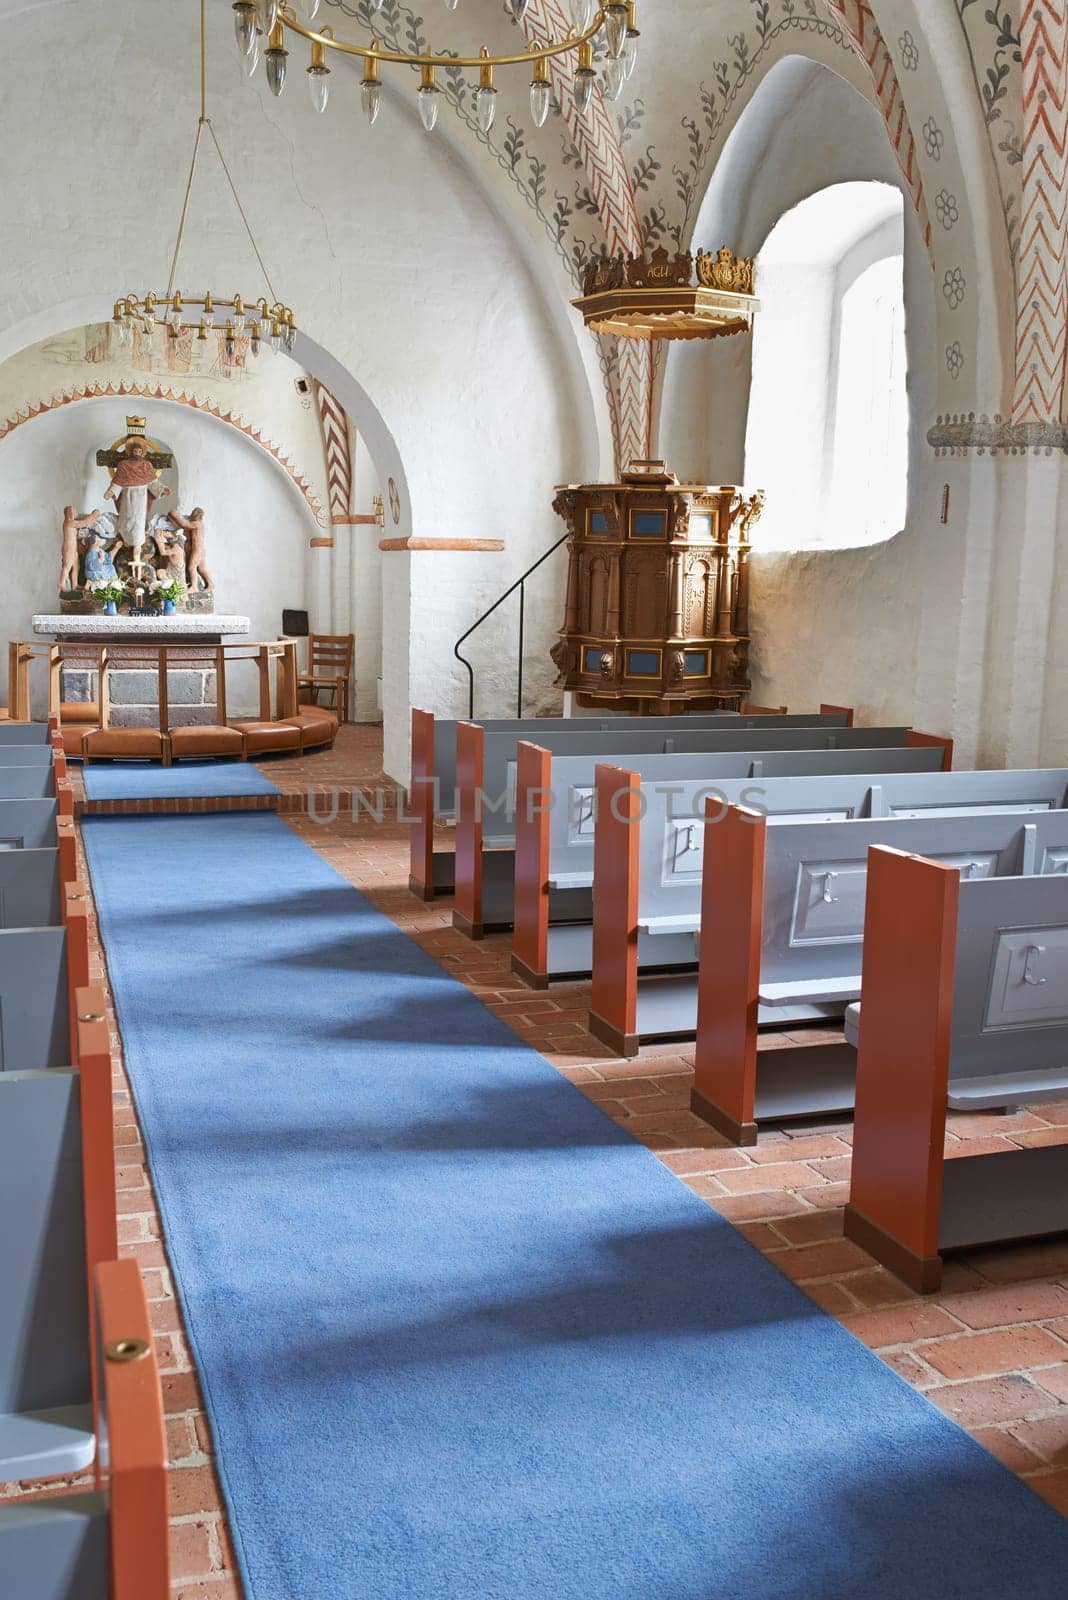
(432, 793)
(555, 827)
(782, 926)
(113, 1543)
(965, 995)
(649, 854)
(486, 781)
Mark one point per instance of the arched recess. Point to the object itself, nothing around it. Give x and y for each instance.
(161, 392)
(805, 129)
(827, 435)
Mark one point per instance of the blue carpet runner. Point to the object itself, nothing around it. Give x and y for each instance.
(147, 780)
(460, 1338)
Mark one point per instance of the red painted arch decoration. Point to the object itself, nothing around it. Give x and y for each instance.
(144, 391)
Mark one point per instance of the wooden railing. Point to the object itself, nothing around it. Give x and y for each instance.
(24, 655)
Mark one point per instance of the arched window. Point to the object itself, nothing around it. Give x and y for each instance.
(827, 434)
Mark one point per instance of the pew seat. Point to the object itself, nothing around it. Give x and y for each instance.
(814, 991)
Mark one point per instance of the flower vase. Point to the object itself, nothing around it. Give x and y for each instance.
(110, 608)
(168, 608)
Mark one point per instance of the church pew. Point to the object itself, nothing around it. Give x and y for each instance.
(648, 857)
(30, 889)
(27, 734)
(486, 789)
(42, 824)
(965, 1002)
(57, 1194)
(432, 795)
(109, 1543)
(555, 825)
(782, 927)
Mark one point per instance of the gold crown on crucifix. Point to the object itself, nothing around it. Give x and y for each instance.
(136, 424)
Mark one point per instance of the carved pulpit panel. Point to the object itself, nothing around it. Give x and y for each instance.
(657, 609)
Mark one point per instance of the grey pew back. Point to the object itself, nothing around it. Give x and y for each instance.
(25, 733)
(649, 856)
(37, 824)
(110, 1544)
(556, 824)
(434, 765)
(487, 784)
(37, 782)
(782, 929)
(30, 889)
(26, 755)
(965, 1001)
(57, 1177)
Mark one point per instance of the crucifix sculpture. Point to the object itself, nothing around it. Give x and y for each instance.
(134, 471)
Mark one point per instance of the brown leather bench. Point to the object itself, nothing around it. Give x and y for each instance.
(129, 744)
(318, 726)
(212, 740)
(266, 738)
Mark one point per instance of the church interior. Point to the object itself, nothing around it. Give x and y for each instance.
(534, 800)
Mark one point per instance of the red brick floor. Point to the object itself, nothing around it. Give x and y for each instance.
(991, 1350)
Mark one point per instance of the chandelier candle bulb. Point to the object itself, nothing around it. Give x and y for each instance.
(582, 14)
(615, 27)
(267, 15)
(485, 96)
(251, 61)
(370, 88)
(613, 77)
(310, 9)
(450, 5)
(540, 93)
(318, 77)
(584, 79)
(276, 59)
(429, 99)
(630, 46)
(208, 319)
(244, 25)
(519, 9)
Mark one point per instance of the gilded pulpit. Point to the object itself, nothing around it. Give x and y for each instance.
(657, 610)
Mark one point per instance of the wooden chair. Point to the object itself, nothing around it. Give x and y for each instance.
(329, 667)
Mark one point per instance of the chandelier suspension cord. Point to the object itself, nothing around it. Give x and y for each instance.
(241, 211)
(204, 121)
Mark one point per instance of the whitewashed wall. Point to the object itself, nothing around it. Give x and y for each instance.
(415, 297)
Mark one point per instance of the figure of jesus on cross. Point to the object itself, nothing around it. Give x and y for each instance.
(134, 470)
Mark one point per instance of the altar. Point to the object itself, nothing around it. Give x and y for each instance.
(191, 627)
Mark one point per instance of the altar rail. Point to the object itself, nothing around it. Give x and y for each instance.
(24, 655)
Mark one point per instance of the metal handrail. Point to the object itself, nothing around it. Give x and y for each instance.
(520, 584)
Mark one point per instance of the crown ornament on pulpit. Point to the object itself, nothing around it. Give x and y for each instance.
(136, 425)
(655, 295)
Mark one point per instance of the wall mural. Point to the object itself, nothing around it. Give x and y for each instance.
(609, 181)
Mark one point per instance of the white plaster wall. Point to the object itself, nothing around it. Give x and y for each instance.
(841, 625)
(416, 304)
(257, 522)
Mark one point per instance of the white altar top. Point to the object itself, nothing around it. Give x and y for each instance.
(95, 626)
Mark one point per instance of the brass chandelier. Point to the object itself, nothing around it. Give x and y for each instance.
(262, 27)
(262, 319)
